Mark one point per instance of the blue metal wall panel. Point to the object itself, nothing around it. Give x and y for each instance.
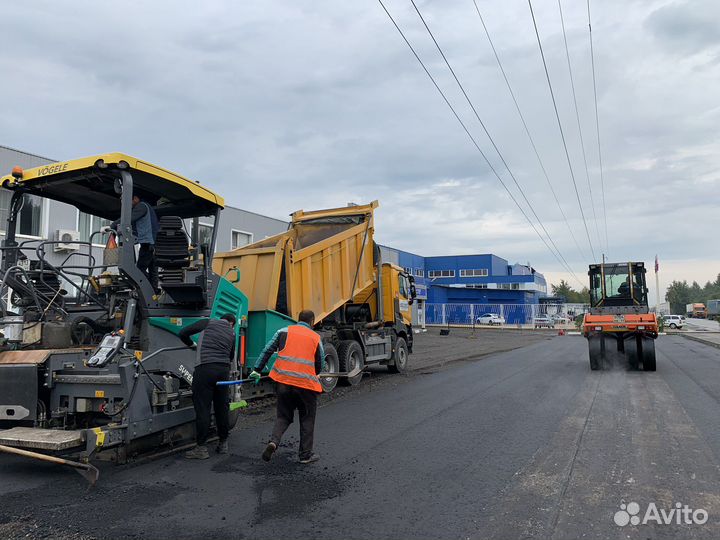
(499, 271)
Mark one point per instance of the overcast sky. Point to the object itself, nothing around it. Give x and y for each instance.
(282, 105)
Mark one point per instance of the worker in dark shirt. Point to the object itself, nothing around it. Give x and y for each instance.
(300, 359)
(145, 226)
(216, 351)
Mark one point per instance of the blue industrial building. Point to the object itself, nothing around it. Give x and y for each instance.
(470, 279)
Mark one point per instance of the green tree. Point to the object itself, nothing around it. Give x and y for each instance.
(678, 295)
(562, 289)
(696, 293)
(571, 295)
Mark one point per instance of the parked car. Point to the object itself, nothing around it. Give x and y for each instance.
(543, 322)
(560, 319)
(490, 319)
(674, 321)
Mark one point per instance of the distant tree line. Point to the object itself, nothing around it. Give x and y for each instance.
(679, 294)
(571, 295)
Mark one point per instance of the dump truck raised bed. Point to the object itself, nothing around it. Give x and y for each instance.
(328, 262)
(619, 317)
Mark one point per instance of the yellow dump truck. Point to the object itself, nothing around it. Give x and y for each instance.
(328, 262)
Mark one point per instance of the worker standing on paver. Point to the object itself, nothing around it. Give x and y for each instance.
(145, 226)
(216, 351)
(300, 359)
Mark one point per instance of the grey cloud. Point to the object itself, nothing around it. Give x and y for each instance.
(283, 105)
(686, 27)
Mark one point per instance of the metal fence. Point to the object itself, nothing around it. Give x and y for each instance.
(467, 314)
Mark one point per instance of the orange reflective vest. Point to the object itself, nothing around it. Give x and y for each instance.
(295, 364)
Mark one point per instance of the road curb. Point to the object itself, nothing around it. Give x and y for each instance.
(700, 340)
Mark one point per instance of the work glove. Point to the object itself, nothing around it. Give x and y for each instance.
(255, 376)
(106, 229)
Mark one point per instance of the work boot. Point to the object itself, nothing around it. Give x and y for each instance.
(312, 458)
(199, 452)
(269, 451)
(222, 448)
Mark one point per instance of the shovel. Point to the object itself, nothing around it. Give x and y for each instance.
(335, 375)
(87, 471)
(352, 373)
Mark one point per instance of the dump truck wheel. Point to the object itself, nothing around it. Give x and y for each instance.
(648, 354)
(595, 346)
(351, 356)
(400, 357)
(332, 366)
(633, 351)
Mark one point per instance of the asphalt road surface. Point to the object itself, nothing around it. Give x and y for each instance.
(528, 443)
(702, 324)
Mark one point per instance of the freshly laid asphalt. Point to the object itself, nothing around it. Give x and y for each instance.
(528, 443)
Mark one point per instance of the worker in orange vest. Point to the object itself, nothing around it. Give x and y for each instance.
(300, 359)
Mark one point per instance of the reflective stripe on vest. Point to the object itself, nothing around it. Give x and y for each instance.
(295, 364)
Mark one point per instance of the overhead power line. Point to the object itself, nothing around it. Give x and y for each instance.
(577, 117)
(527, 130)
(562, 133)
(597, 126)
(487, 133)
(475, 143)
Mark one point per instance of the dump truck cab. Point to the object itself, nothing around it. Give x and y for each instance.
(399, 294)
(91, 361)
(619, 315)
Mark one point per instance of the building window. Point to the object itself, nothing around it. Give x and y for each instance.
(515, 286)
(408, 270)
(478, 272)
(240, 239)
(504, 286)
(29, 220)
(476, 286)
(441, 273)
(88, 224)
(419, 272)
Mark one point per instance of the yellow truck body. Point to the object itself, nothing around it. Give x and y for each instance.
(327, 262)
(320, 266)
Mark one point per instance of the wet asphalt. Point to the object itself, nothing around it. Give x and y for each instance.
(523, 444)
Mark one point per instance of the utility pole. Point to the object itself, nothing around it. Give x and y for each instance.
(657, 286)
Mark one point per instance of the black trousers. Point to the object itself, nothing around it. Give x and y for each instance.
(147, 265)
(206, 395)
(290, 398)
